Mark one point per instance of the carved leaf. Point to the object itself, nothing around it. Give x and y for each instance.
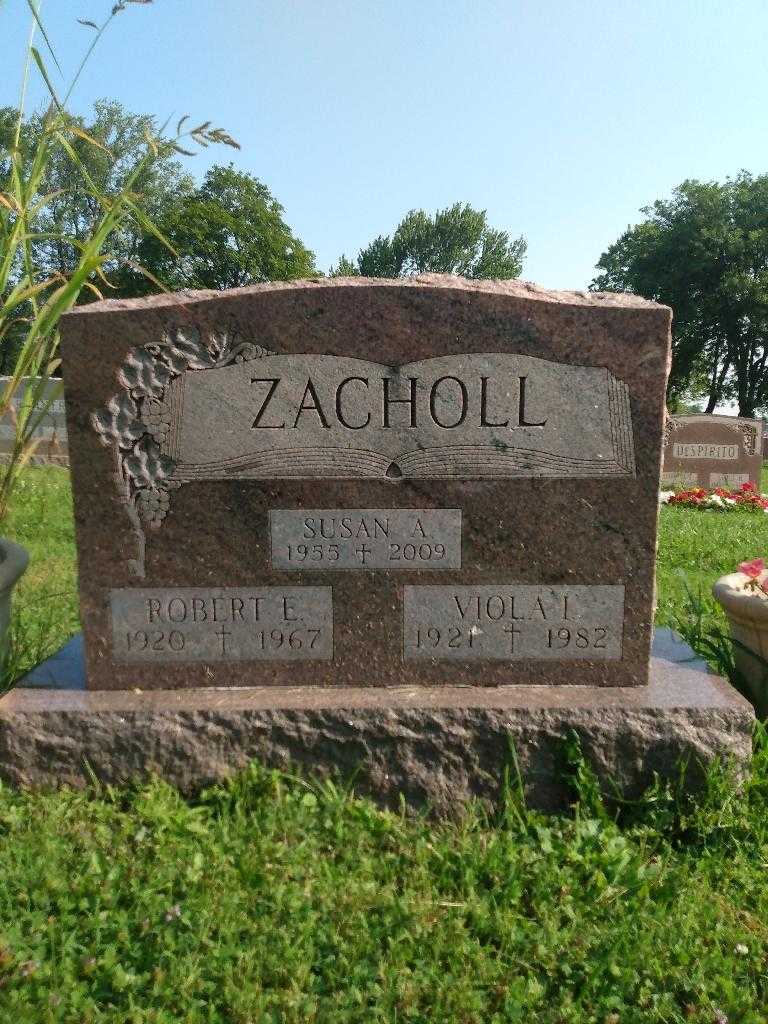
(144, 376)
(118, 422)
(176, 362)
(223, 344)
(232, 348)
(146, 465)
(186, 348)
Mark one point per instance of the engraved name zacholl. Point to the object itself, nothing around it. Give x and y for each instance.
(475, 416)
(446, 401)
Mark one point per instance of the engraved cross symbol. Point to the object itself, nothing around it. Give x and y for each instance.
(223, 633)
(513, 632)
(362, 552)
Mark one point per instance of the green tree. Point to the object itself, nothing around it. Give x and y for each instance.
(107, 153)
(344, 268)
(227, 232)
(112, 157)
(456, 240)
(704, 252)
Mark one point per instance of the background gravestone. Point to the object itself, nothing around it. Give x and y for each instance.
(51, 433)
(366, 483)
(712, 451)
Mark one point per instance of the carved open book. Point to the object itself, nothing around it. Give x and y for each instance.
(474, 416)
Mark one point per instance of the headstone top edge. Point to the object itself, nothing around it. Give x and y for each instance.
(708, 417)
(515, 289)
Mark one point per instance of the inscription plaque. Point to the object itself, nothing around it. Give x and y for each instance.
(728, 479)
(50, 431)
(366, 538)
(508, 623)
(694, 450)
(224, 624)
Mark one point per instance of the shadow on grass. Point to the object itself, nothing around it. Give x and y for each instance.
(31, 641)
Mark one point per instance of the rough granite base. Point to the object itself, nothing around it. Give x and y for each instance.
(436, 746)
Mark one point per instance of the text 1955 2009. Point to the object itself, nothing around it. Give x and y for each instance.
(366, 538)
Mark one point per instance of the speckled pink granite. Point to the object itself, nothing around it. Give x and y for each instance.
(526, 531)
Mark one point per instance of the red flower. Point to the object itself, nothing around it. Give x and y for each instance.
(753, 568)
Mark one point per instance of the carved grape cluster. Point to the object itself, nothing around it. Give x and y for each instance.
(153, 505)
(156, 416)
(149, 471)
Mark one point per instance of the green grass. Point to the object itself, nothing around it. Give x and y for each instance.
(697, 547)
(275, 899)
(45, 600)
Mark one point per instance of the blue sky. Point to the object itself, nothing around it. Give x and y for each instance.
(561, 118)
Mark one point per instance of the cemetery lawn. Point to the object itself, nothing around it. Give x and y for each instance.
(45, 601)
(283, 900)
(697, 547)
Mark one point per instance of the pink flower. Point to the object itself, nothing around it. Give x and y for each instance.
(753, 568)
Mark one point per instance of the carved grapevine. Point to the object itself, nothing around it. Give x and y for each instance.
(670, 426)
(135, 423)
(749, 435)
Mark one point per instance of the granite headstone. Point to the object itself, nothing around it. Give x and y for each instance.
(361, 482)
(712, 451)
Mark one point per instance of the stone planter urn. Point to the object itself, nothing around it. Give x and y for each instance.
(746, 605)
(13, 562)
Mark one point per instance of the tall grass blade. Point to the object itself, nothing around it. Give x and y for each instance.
(36, 15)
